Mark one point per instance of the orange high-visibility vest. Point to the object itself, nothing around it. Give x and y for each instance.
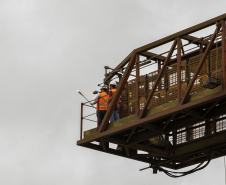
(103, 101)
(113, 93)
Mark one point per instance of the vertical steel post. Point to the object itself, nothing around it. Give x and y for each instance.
(137, 86)
(174, 138)
(214, 126)
(187, 72)
(159, 69)
(223, 24)
(81, 126)
(179, 70)
(208, 67)
(146, 86)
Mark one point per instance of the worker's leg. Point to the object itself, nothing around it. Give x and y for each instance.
(112, 117)
(101, 116)
(99, 122)
(116, 113)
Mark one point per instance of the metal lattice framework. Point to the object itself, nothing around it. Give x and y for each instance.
(173, 117)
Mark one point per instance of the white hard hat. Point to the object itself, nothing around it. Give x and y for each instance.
(113, 83)
(104, 87)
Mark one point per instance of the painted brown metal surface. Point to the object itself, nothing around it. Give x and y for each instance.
(200, 65)
(137, 86)
(155, 117)
(158, 79)
(187, 129)
(223, 23)
(178, 70)
(117, 94)
(181, 33)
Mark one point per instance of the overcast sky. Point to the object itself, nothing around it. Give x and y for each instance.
(51, 48)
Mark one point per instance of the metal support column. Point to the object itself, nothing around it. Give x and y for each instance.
(81, 126)
(223, 23)
(179, 70)
(137, 86)
(159, 69)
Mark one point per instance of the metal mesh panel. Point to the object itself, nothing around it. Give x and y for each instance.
(216, 63)
(172, 75)
(157, 99)
(166, 90)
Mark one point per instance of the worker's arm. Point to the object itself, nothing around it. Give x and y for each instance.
(93, 103)
(96, 99)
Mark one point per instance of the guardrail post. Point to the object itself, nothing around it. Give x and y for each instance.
(81, 126)
(98, 117)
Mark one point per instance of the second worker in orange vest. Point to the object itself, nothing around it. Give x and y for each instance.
(115, 114)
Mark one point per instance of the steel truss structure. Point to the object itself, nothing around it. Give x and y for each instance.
(193, 127)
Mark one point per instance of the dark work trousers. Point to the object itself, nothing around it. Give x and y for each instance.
(101, 115)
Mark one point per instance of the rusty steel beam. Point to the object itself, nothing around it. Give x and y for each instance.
(211, 108)
(169, 120)
(142, 136)
(153, 56)
(137, 86)
(105, 145)
(197, 145)
(184, 57)
(181, 33)
(158, 80)
(152, 127)
(179, 93)
(168, 39)
(121, 65)
(130, 135)
(186, 96)
(195, 40)
(223, 23)
(137, 146)
(117, 94)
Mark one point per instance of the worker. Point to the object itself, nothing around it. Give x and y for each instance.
(115, 114)
(101, 100)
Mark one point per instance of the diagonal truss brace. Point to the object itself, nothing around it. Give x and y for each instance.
(186, 96)
(158, 79)
(120, 87)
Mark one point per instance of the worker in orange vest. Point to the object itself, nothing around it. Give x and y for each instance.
(115, 114)
(102, 103)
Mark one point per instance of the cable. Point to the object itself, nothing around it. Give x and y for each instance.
(174, 174)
